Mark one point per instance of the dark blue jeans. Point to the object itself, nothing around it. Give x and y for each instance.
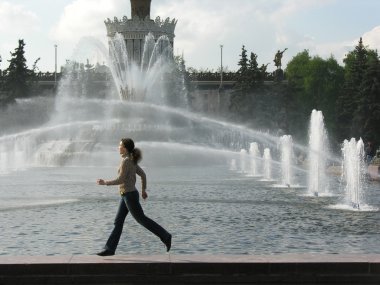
(129, 202)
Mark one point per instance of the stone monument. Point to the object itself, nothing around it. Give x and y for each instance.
(278, 73)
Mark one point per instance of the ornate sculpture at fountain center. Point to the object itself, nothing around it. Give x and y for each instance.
(135, 30)
(136, 46)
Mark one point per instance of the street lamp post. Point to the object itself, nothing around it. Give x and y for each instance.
(55, 67)
(221, 78)
(221, 66)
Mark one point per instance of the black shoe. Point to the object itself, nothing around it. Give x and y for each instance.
(105, 252)
(168, 243)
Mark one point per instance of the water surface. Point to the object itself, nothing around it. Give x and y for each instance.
(208, 209)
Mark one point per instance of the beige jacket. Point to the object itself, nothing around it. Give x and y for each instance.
(127, 176)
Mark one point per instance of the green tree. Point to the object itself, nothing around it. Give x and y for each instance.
(333, 84)
(323, 82)
(253, 71)
(17, 74)
(260, 103)
(18, 78)
(297, 72)
(243, 73)
(316, 84)
(367, 115)
(351, 116)
(238, 101)
(252, 101)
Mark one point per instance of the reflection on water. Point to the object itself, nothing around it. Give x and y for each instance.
(209, 209)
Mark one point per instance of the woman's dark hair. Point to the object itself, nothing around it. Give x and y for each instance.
(130, 146)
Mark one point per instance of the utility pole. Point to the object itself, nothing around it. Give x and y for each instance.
(220, 90)
(221, 66)
(55, 67)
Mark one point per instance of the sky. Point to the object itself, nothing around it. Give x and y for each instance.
(324, 27)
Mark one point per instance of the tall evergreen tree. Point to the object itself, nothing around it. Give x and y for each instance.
(260, 103)
(350, 116)
(253, 71)
(242, 86)
(242, 80)
(367, 115)
(17, 74)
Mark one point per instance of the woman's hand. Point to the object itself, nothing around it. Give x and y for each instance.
(100, 182)
(144, 195)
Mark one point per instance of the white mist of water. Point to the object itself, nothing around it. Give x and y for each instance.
(233, 166)
(82, 127)
(243, 162)
(286, 142)
(254, 154)
(353, 171)
(318, 149)
(145, 81)
(79, 123)
(267, 169)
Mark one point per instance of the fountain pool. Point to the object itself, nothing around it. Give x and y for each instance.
(208, 208)
(50, 204)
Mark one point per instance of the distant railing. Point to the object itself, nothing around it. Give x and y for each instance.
(227, 76)
(98, 76)
(211, 76)
(47, 76)
(50, 76)
(40, 76)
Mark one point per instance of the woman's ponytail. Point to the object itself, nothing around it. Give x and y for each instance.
(136, 155)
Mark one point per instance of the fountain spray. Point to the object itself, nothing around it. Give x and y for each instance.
(353, 171)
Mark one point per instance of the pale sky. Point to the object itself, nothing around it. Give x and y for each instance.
(324, 27)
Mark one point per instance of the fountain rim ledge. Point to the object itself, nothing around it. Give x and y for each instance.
(192, 269)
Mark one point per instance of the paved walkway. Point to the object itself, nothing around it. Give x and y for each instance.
(191, 269)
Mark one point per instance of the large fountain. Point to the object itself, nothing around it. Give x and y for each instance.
(141, 52)
(318, 152)
(286, 143)
(353, 172)
(267, 165)
(254, 153)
